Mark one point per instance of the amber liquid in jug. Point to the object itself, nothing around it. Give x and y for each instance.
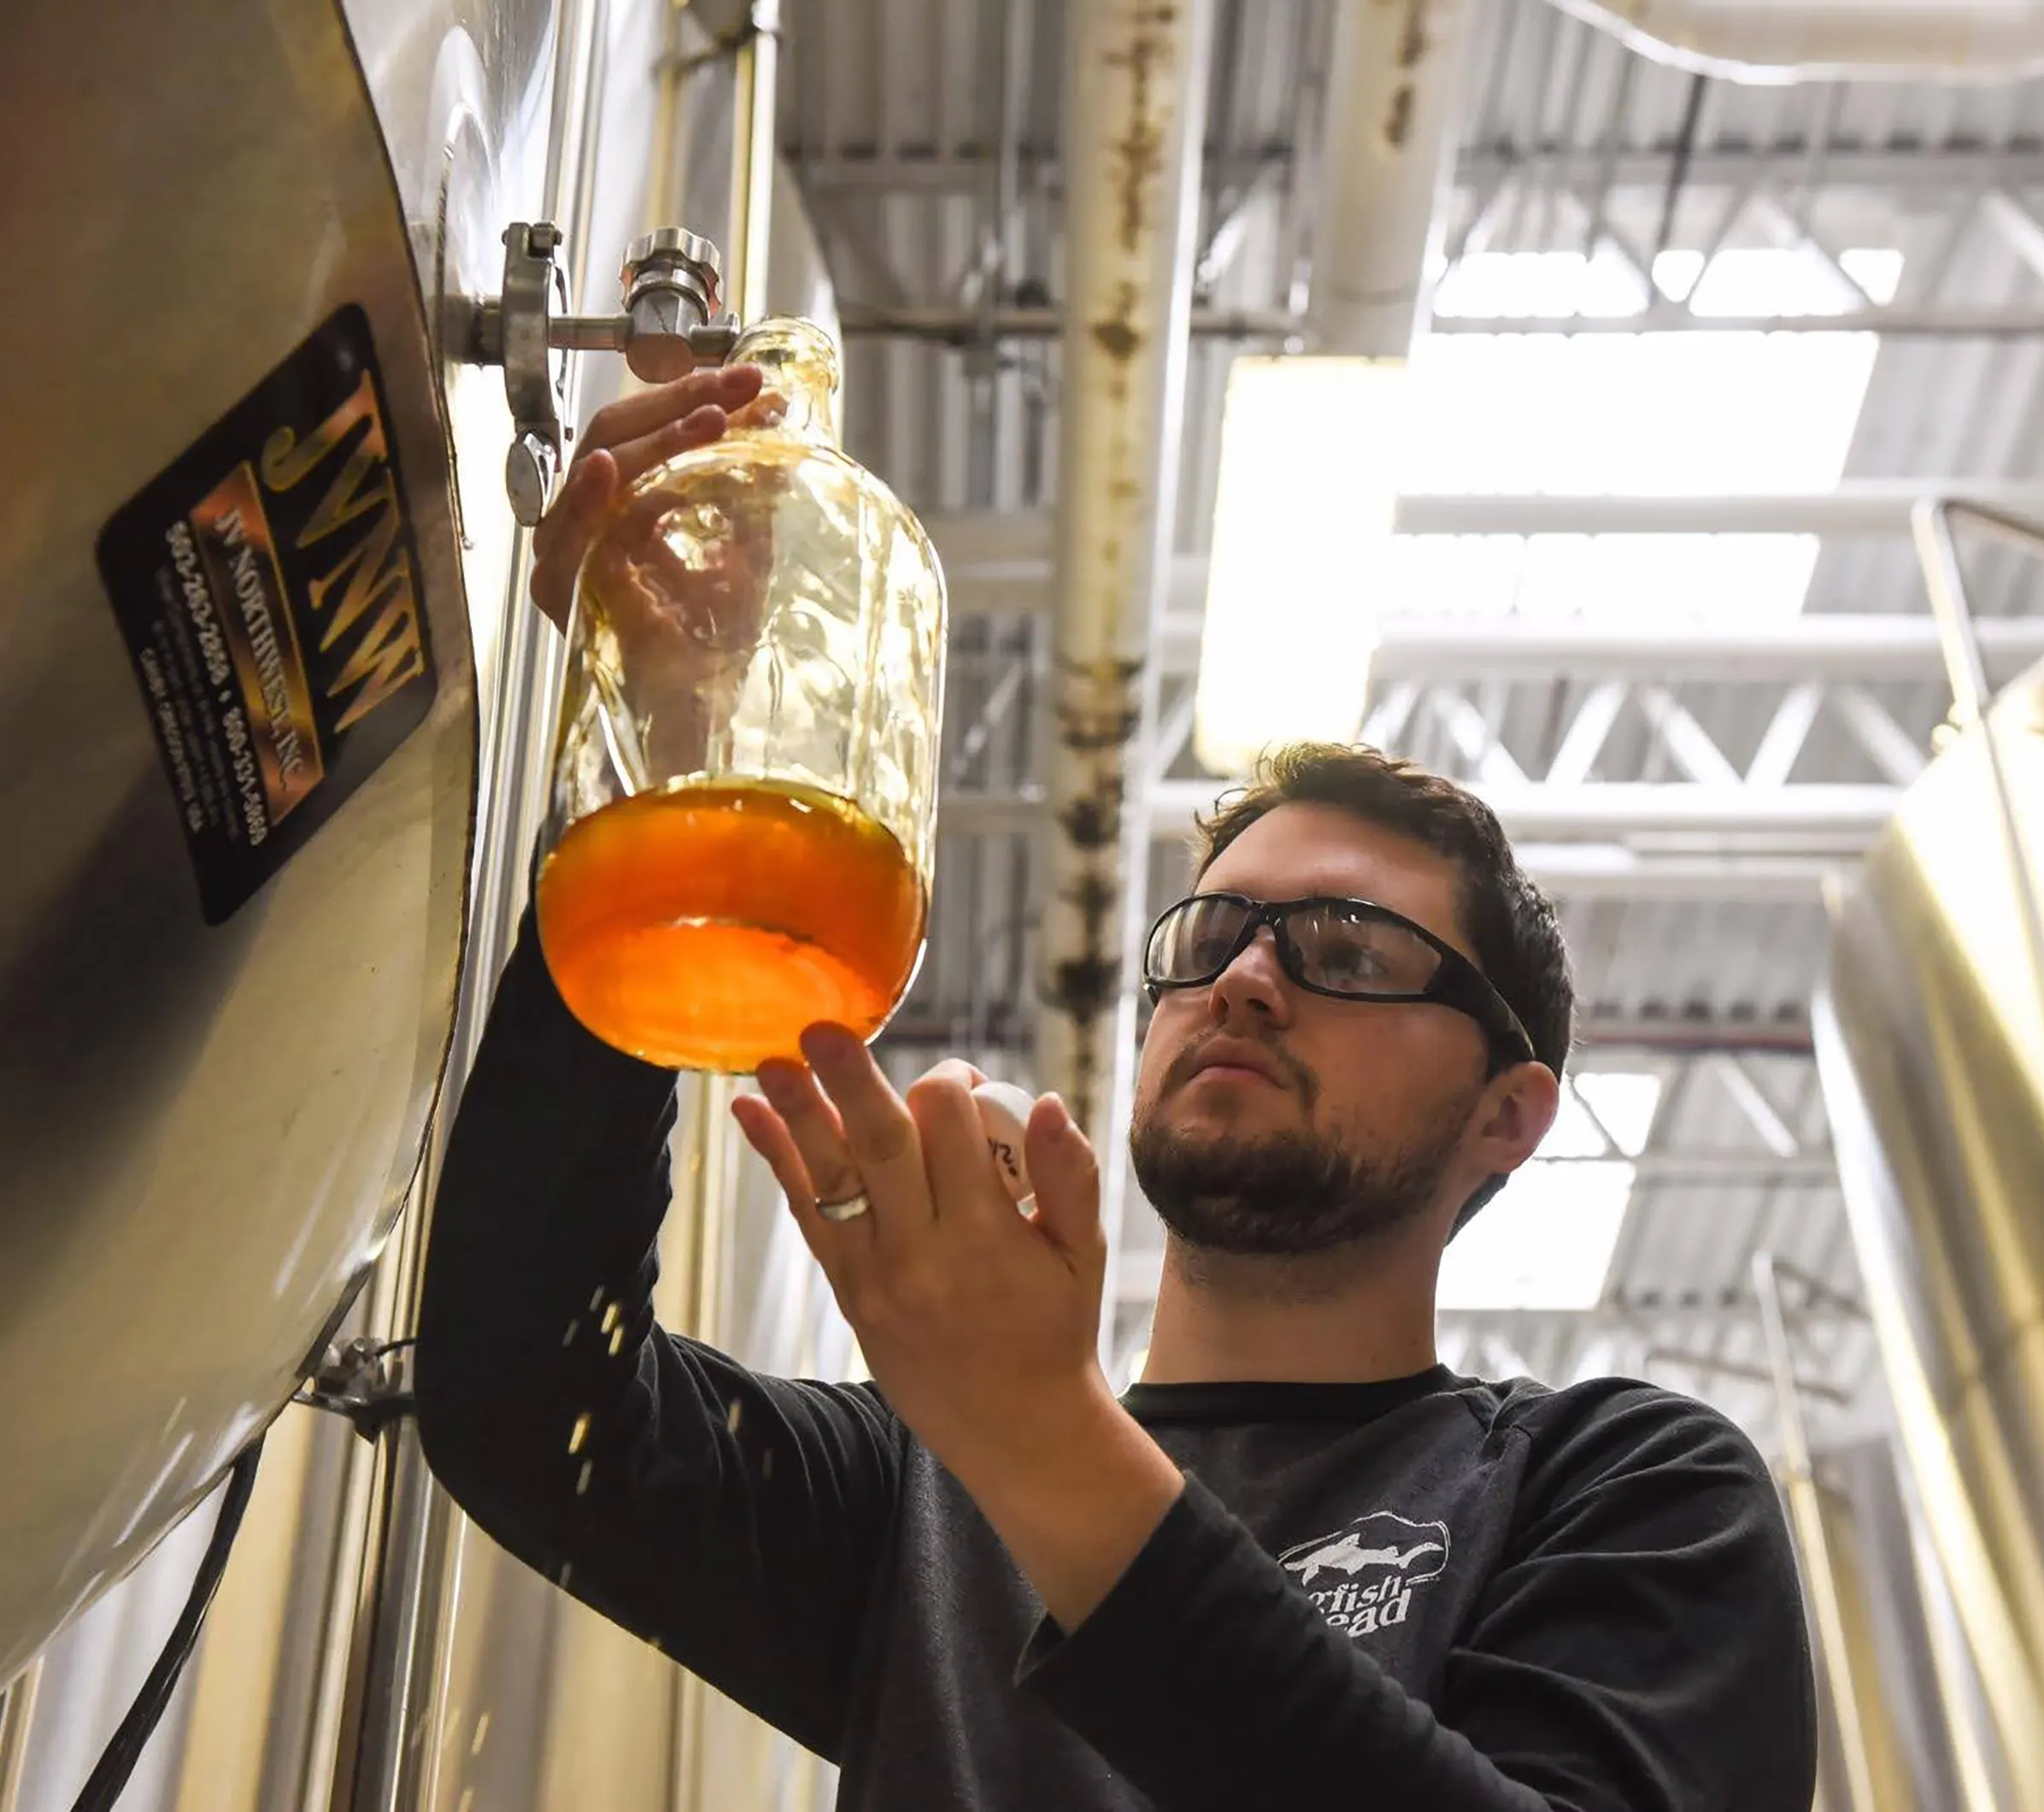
(704, 927)
(747, 767)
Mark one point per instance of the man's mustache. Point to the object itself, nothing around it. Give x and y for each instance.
(1186, 1064)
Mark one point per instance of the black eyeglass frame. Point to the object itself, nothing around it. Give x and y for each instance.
(1458, 983)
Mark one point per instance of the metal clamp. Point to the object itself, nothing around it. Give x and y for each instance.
(669, 289)
(368, 1381)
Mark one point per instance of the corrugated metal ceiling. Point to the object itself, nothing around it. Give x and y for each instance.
(892, 116)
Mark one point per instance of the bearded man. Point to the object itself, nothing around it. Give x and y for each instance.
(1301, 1564)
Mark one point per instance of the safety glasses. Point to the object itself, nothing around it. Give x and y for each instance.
(1348, 950)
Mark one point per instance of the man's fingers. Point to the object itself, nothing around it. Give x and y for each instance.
(879, 1132)
(953, 1139)
(728, 387)
(623, 441)
(957, 1069)
(563, 536)
(1066, 1175)
(594, 481)
(767, 1134)
(590, 482)
(769, 408)
(600, 473)
(814, 1129)
(637, 457)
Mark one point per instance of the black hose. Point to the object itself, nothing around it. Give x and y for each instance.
(117, 1761)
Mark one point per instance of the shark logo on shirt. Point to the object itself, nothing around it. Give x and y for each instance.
(1362, 1577)
(1350, 1556)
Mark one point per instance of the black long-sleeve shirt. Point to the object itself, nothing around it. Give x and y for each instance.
(1431, 1593)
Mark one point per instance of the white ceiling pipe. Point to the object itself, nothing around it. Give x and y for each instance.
(1134, 88)
(1778, 41)
(1386, 156)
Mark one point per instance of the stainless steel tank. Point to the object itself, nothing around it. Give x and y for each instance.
(238, 752)
(1930, 1045)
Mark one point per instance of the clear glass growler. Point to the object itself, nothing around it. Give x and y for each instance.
(744, 789)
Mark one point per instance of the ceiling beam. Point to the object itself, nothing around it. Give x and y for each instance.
(948, 324)
(1858, 506)
(1932, 175)
(1578, 871)
(1610, 1036)
(992, 569)
(1825, 813)
(1834, 647)
(952, 325)
(1929, 173)
(1596, 871)
(1825, 818)
(1891, 323)
(1014, 546)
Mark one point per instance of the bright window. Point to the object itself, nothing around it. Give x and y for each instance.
(1623, 1102)
(1546, 1241)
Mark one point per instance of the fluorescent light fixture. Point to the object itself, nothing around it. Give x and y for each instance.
(1313, 450)
(1309, 463)
(1668, 414)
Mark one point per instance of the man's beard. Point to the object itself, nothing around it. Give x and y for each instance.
(1289, 1194)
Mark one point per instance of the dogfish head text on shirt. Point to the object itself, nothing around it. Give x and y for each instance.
(1362, 1577)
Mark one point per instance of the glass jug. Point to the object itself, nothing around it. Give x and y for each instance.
(744, 790)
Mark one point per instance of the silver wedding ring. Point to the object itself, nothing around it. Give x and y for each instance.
(849, 1209)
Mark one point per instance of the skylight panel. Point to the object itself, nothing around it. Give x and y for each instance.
(1876, 269)
(1543, 284)
(1574, 1134)
(1692, 412)
(1624, 1102)
(1546, 1241)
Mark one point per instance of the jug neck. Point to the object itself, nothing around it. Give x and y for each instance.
(801, 366)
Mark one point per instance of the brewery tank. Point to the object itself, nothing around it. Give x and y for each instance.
(1929, 1038)
(219, 1086)
(238, 754)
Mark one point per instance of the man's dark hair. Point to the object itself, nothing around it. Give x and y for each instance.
(1509, 922)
